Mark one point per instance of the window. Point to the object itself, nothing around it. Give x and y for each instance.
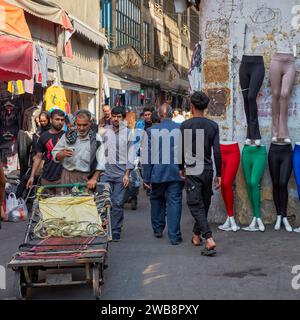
(184, 18)
(128, 25)
(194, 28)
(157, 47)
(107, 21)
(185, 61)
(146, 43)
(169, 9)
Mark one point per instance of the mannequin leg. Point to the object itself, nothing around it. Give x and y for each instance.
(256, 81)
(296, 165)
(274, 166)
(287, 86)
(229, 172)
(247, 162)
(275, 77)
(245, 82)
(259, 166)
(285, 175)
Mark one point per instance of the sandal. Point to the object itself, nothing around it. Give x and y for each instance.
(196, 240)
(210, 248)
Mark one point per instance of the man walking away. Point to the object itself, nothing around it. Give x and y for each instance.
(199, 186)
(120, 156)
(45, 144)
(163, 178)
(81, 153)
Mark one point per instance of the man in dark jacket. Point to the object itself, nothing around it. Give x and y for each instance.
(161, 173)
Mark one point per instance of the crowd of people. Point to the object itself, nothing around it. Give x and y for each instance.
(72, 149)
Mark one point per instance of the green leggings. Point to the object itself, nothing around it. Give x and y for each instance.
(254, 161)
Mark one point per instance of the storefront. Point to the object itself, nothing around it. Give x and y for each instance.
(122, 92)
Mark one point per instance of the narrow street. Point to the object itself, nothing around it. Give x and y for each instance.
(248, 265)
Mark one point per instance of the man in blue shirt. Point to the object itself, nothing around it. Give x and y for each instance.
(161, 174)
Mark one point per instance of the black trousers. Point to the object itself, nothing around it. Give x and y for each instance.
(252, 73)
(281, 166)
(199, 193)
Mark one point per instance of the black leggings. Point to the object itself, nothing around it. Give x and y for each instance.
(252, 73)
(281, 166)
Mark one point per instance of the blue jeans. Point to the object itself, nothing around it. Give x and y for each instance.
(117, 198)
(166, 200)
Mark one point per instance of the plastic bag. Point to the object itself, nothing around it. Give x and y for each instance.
(16, 209)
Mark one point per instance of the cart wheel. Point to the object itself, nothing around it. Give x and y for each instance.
(96, 281)
(20, 285)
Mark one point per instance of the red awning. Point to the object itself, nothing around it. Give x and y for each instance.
(16, 48)
(15, 58)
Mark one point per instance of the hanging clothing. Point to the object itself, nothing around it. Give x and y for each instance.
(282, 75)
(254, 161)
(296, 165)
(231, 158)
(252, 73)
(195, 69)
(281, 167)
(16, 87)
(42, 60)
(29, 117)
(55, 98)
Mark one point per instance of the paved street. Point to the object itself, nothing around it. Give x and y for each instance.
(248, 266)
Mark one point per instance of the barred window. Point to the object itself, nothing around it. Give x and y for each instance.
(194, 28)
(146, 45)
(128, 26)
(169, 9)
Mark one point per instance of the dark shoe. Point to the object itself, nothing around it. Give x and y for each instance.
(176, 242)
(116, 238)
(158, 235)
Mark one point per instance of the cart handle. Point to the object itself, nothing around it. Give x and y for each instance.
(70, 185)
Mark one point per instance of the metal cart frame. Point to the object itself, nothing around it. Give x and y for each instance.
(92, 259)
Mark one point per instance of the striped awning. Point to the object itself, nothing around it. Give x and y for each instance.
(86, 31)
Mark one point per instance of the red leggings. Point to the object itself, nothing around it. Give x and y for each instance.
(231, 158)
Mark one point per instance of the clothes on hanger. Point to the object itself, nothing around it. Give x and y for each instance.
(55, 98)
(29, 117)
(42, 60)
(16, 88)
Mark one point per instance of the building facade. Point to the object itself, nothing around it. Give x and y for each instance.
(81, 75)
(151, 46)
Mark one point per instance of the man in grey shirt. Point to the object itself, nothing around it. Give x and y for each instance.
(120, 155)
(81, 152)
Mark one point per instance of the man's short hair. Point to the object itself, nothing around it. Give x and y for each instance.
(106, 106)
(147, 109)
(200, 100)
(57, 112)
(119, 110)
(83, 113)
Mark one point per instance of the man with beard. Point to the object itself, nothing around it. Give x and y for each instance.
(81, 153)
(45, 144)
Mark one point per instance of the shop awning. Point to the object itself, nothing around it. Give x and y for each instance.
(116, 82)
(16, 48)
(89, 33)
(45, 10)
(16, 58)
